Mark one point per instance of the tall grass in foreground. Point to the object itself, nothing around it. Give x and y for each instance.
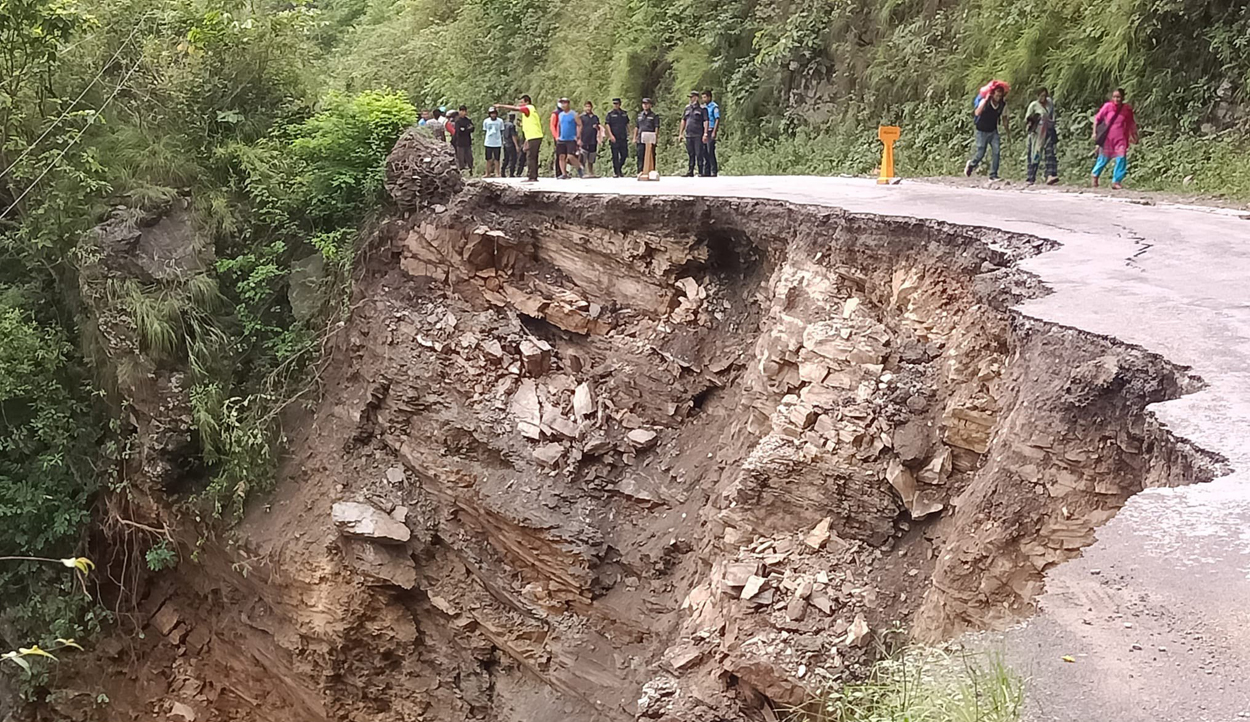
(923, 685)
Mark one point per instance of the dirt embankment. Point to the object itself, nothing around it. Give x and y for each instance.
(604, 458)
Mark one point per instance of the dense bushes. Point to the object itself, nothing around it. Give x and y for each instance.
(139, 103)
(48, 430)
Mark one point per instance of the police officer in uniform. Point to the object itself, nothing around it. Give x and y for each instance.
(646, 129)
(617, 121)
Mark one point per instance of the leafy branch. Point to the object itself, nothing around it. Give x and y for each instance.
(82, 566)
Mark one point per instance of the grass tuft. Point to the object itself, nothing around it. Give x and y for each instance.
(921, 684)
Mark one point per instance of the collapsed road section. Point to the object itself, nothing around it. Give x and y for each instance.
(615, 458)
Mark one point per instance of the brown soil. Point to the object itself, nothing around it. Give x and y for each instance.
(659, 458)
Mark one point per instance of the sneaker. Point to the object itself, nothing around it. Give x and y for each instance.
(968, 168)
(1029, 183)
(1053, 180)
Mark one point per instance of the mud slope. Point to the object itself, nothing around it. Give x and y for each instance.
(644, 457)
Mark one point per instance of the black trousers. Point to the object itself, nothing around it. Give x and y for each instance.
(510, 166)
(464, 157)
(709, 156)
(694, 155)
(620, 154)
(531, 157)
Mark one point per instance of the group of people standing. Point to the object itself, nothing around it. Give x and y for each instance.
(515, 141)
(1114, 129)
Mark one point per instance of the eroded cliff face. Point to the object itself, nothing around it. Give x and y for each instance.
(608, 458)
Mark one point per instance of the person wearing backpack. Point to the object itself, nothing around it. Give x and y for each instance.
(989, 113)
(1043, 137)
(1115, 128)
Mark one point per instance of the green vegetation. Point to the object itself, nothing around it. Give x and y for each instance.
(30, 658)
(923, 685)
(141, 104)
(271, 120)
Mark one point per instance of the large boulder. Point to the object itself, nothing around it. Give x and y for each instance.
(421, 171)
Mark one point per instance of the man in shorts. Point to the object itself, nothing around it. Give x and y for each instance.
(492, 141)
(589, 137)
(568, 129)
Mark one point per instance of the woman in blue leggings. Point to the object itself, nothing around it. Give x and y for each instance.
(1114, 129)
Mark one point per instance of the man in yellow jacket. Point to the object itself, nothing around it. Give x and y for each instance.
(532, 129)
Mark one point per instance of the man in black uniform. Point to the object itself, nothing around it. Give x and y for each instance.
(694, 130)
(589, 138)
(462, 139)
(511, 148)
(648, 123)
(618, 136)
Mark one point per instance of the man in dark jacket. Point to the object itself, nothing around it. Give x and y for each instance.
(462, 140)
(617, 121)
(694, 129)
(512, 148)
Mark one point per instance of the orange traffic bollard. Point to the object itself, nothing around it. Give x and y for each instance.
(887, 134)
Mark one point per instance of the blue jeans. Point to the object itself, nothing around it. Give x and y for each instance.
(984, 138)
(1118, 171)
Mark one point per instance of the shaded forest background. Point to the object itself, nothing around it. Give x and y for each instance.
(271, 120)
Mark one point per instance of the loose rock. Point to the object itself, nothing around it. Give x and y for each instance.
(819, 535)
(549, 454)
(642, 438)
(366, 522)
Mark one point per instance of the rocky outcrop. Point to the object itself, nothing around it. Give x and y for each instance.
(132, 256)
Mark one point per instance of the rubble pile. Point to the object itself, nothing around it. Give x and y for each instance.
(421, 171)
(892, 390)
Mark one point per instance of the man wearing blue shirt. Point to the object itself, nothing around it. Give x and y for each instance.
(568, 131)
(711, 166)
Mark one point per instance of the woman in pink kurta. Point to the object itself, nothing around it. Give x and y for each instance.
(1117, 117)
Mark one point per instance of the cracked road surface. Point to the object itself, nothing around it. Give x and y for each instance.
(1156, 612)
